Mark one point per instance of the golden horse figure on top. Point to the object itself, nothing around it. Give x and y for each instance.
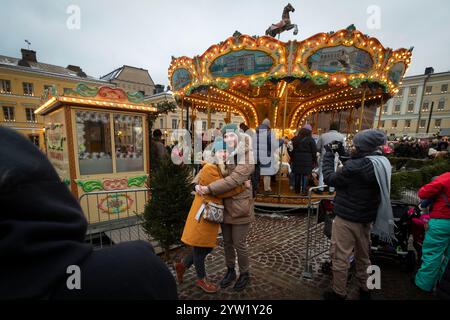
(285, 23)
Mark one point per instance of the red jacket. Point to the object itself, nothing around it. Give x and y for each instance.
(434, 190)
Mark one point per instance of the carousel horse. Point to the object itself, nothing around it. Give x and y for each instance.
(285, 23)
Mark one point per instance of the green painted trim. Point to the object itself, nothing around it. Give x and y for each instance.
(137, 181)
(90, 185)
(135, 97)
(83, 90)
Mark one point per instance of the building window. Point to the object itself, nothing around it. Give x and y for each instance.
(394, 124)
(422, 124)
(161, 123)
(400, 92)
(47, 86)
(397, 108)
(220, 125)
(444, 88)
(8, 113)
(213, 125)
(31, 117)
(428, 89)
(385, 109)
(5, 86)
(174, 123)
(413, 91)
(203, 125)
(425, 106)
(382, 124)
(441, 104)
(407, 124)
(27, 89)
(411, 106)
(437, 123)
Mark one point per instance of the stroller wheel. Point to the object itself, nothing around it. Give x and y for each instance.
(411, 261)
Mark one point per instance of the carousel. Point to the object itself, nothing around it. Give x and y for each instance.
(341, 76)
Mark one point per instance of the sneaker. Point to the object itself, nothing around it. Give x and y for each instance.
(228, 279)
(331, 295)
(206, 286)
(180, 269)
(242, 282)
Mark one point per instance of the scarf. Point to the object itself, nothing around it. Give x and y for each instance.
(384, 223)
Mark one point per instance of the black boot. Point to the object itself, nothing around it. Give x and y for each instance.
(242, 282)
(229, 277)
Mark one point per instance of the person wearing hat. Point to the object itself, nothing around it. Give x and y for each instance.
(325, 139)
(303, 157)
(199, 233)
(362, 199)
(239, 209)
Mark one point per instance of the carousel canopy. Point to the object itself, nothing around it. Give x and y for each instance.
(262, 77)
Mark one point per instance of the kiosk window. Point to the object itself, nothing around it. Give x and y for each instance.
(128, 138)
(94, 142)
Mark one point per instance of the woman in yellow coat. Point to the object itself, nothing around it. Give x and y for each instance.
(199, 233)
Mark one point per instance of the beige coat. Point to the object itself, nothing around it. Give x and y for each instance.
(239, 209)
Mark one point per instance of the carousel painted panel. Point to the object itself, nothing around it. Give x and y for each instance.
(111, 163)
(56, 144)
(242, 62)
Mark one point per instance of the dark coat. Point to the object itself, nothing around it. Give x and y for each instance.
(357, 191)
(42, 233)
(303, 155)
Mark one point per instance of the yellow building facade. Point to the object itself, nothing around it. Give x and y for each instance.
(22, 83)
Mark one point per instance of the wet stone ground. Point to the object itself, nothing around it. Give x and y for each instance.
(277, 259)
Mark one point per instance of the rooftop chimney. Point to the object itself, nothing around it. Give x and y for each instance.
(429, 70)
(77, 70)
(158, 89)
(28, 55)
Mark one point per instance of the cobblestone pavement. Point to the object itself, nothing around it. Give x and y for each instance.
(277, 246)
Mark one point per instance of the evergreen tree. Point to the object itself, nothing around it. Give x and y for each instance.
(168, 207)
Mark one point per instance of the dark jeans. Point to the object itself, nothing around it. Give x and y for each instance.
(301, 182)
(197, 258)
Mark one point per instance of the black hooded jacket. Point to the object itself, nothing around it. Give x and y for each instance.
(357, 190)
(42, 233)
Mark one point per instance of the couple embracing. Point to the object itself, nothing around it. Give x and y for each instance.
(223, 182)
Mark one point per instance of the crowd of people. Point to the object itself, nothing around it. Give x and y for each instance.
(44, 226)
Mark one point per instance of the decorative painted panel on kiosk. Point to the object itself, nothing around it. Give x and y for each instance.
(243, 62)
(181, 78)
(340, 59)
(57, 153)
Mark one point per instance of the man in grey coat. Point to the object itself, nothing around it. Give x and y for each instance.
(325, 139)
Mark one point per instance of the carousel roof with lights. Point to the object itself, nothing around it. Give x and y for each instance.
(97, 97)
(257, 76)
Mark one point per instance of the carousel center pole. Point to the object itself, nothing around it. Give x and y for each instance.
(282, 136)
(209, 110)
(362, 109)
(379, 115)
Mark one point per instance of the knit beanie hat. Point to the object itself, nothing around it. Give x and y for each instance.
(369, 140)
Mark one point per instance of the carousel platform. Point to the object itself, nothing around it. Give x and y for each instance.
(287, 198)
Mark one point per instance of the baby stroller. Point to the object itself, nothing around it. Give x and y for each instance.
(403, 219)
(406, 224)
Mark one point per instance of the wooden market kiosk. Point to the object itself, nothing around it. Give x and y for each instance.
(97, 140)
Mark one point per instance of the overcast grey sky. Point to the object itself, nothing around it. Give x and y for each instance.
(146, 33)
